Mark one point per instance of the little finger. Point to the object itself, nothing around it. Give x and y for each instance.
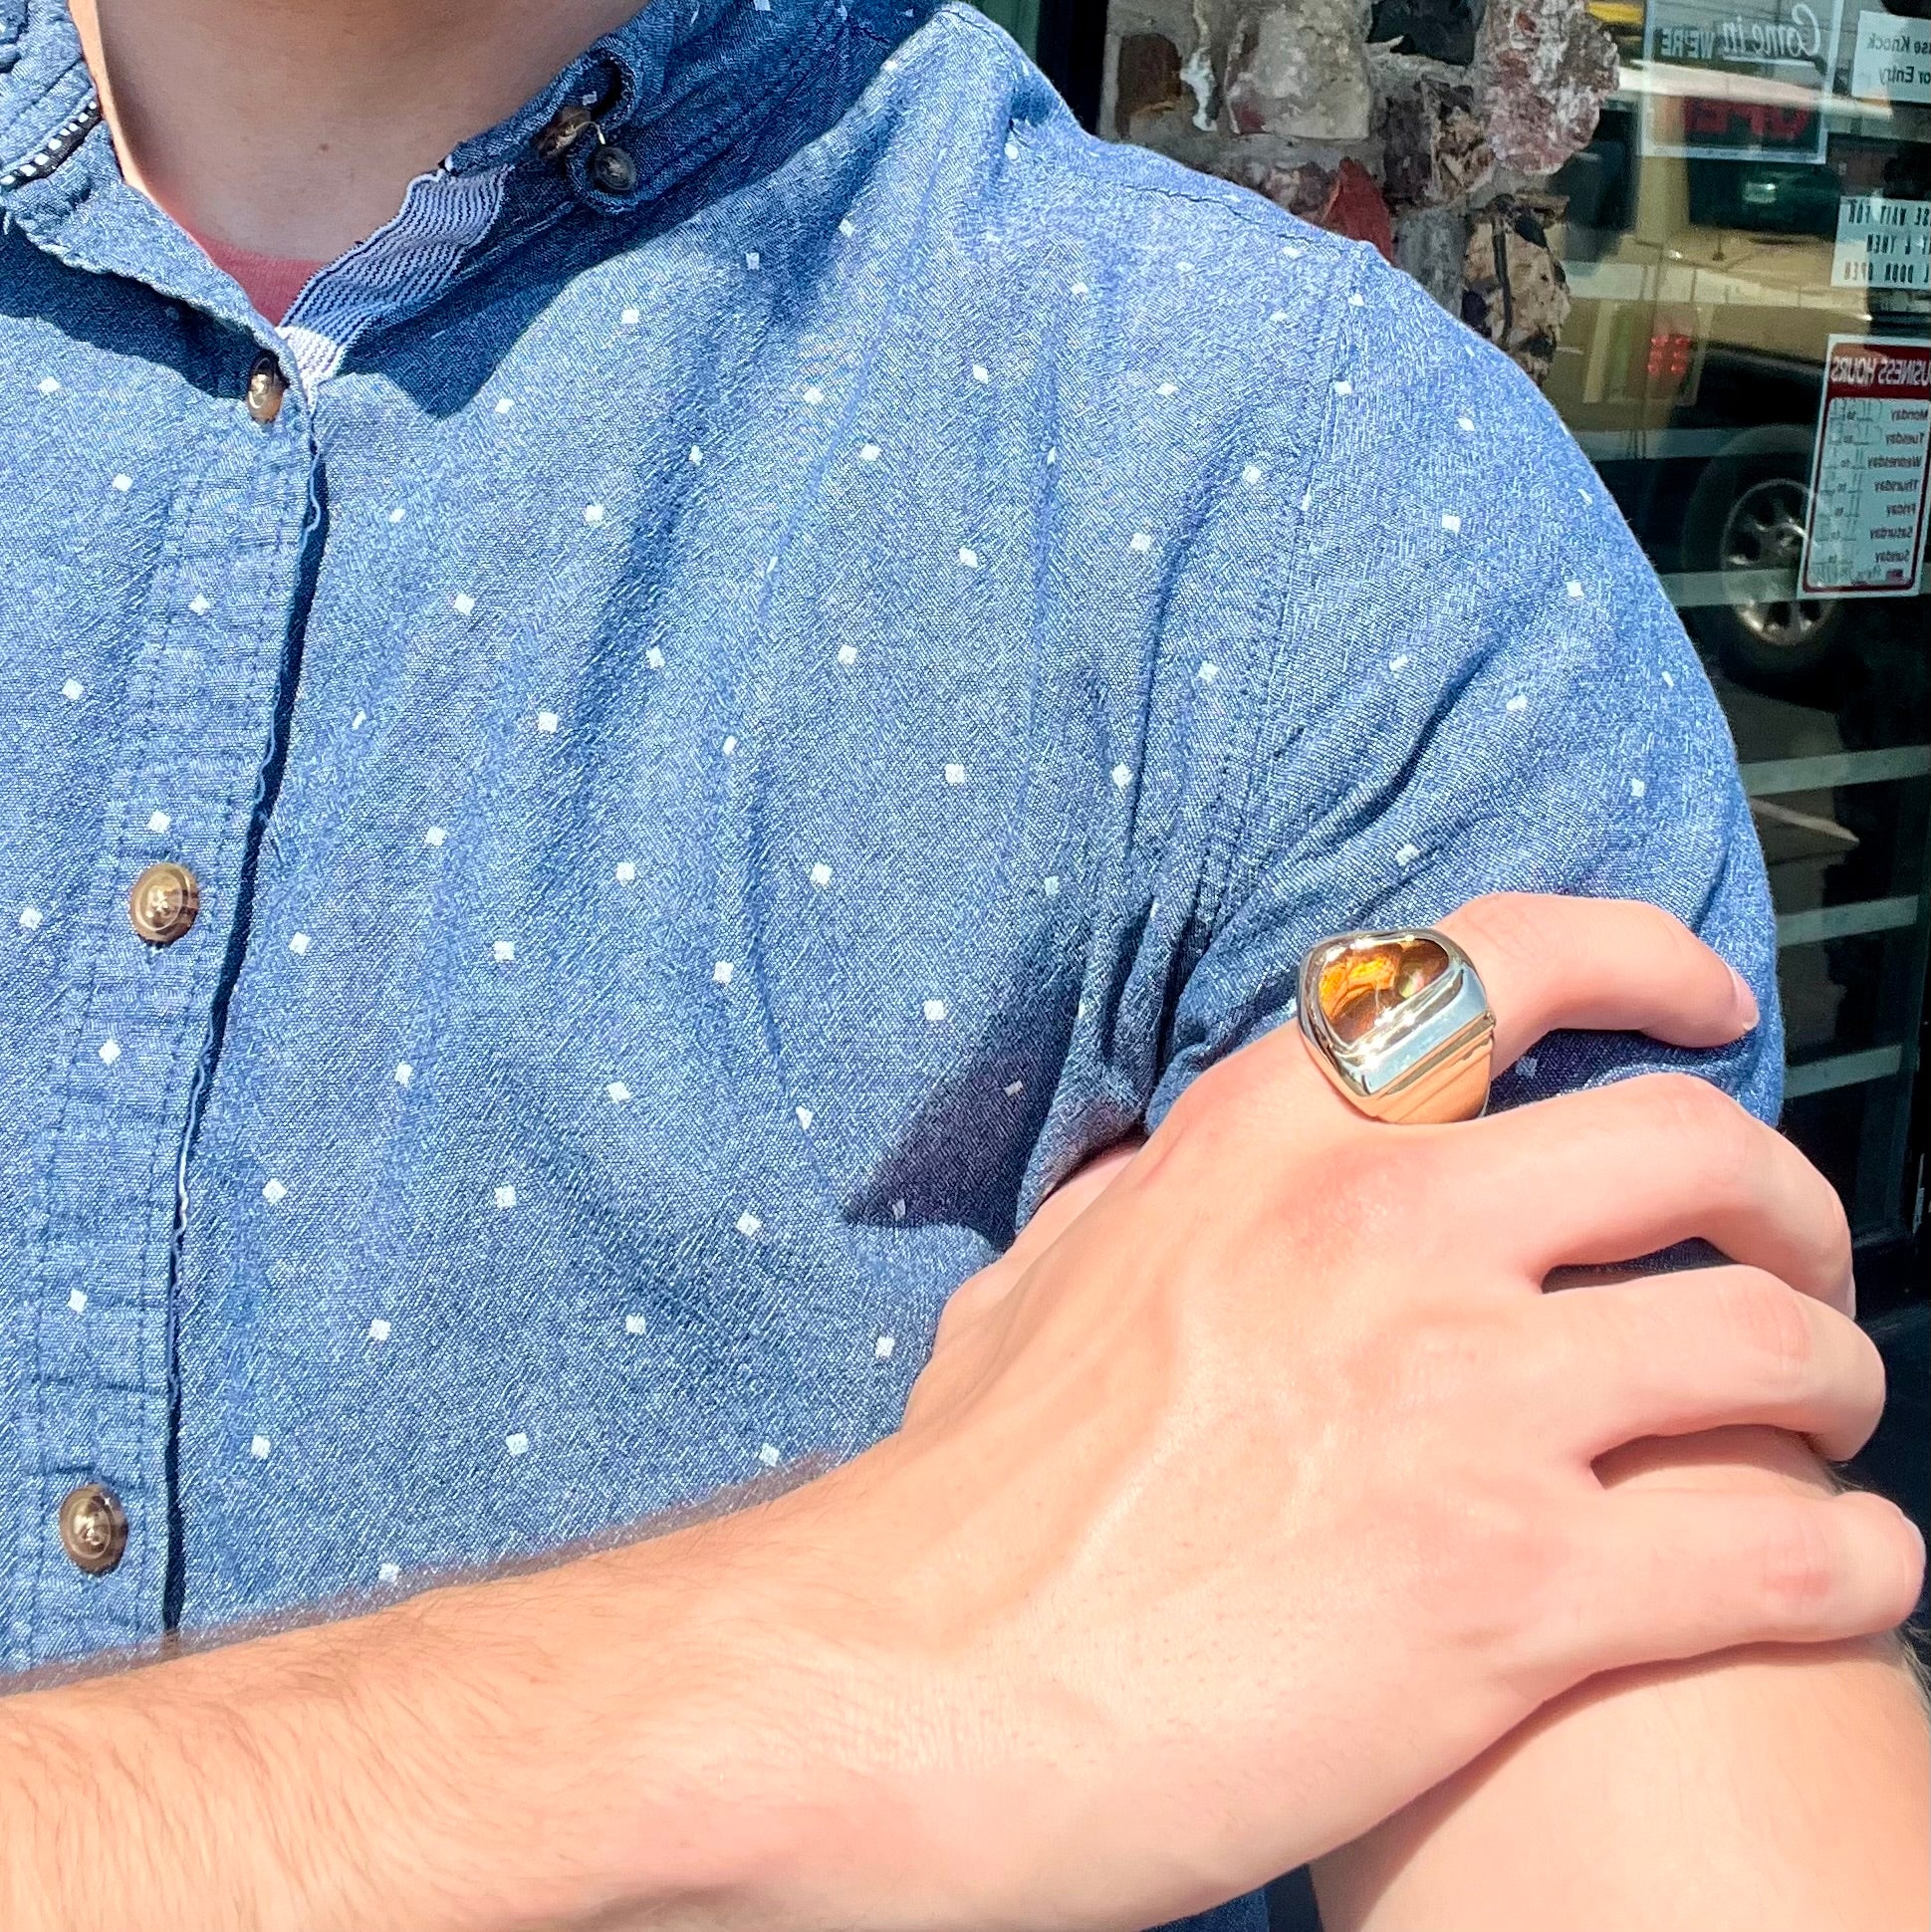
(1678, 1574)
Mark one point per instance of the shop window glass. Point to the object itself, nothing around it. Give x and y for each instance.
(1019, 18)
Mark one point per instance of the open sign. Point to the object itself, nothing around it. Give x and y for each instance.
(1753, 128)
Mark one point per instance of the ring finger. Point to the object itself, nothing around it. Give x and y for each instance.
(1617, 1172)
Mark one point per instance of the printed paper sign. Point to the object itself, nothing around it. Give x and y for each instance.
(1868, 472)
(1882, 244)
(1738, 78)
(1893, 61)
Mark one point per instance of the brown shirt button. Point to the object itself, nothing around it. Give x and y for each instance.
(267, 385)
(564, 129)
(94, 1528)
(163, 903)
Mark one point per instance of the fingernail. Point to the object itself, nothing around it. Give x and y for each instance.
(1917, 1535)
(1747, 1008)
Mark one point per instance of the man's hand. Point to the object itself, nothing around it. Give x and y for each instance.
(1261, 1497)
(1231, 1514)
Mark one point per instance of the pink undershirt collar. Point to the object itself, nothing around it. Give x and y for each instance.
(271, 282)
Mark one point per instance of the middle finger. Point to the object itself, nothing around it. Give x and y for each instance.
(1618, 1172)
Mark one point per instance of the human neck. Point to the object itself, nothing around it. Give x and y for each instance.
(292, 127)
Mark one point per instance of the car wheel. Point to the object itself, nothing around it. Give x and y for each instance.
(1746, 520)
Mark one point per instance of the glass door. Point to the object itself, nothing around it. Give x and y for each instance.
(1747, 361)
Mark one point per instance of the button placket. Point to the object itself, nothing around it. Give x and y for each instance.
(198, 727)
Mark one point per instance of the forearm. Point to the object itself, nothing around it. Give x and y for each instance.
(657, 1735)
(1776, 1789)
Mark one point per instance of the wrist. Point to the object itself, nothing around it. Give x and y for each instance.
(921, 1777)
(734, 1728)
(841, 1742)
(742, 1724)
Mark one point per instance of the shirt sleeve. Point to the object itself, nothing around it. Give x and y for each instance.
(1478, 686)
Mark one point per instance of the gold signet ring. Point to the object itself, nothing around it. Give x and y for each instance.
(1399, 1020)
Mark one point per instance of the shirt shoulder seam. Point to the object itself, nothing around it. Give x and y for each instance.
(1231, 805)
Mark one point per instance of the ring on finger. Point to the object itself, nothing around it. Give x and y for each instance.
(1400, 1024)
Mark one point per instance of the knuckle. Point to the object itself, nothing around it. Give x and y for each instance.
(1833, 1232)
(1858, 1386)
(1769, 1323)
(1193, 1106)
(966, 1304)
(1703, 1123)
(1514, 1559)
(1444, 1358)
(1871, 1369)
(1688, 1101)
(1512, 925)
(1207, 1123)
(1898, 1555)
(1231, 1098)
(1664, 930)
(1797, 1558)
(1399, 1199)
(1431, 1362)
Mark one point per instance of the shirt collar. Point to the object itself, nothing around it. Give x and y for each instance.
(45, 87)
(675, 86)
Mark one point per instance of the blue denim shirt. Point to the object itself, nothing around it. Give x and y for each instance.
(729, 735)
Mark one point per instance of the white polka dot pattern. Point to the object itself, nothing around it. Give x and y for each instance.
(812, 701)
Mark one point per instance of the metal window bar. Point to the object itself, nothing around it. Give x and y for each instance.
(1843, 922)
(1771, 776)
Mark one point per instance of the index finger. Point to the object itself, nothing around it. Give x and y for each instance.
(1604, 965)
